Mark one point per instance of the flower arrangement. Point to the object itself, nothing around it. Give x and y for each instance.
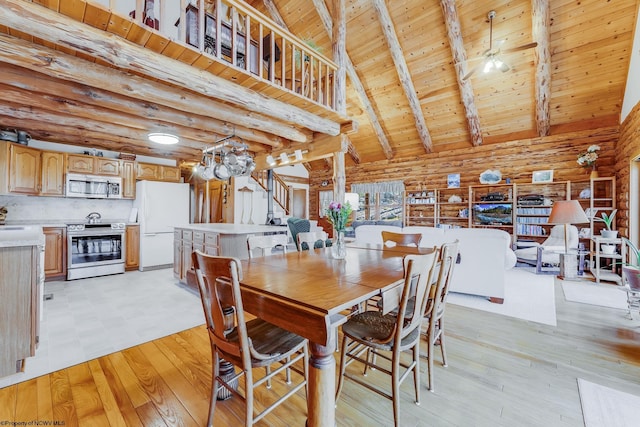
(338, 215)
(588, 159)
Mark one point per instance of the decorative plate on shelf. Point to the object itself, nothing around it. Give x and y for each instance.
(490, 177)
(585, 194)
(455, 199)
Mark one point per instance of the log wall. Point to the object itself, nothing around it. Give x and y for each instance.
(627, 149)
(515, 159)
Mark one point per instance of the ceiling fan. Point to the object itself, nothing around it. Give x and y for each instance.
(491, 56)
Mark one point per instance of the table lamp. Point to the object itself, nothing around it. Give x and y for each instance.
(567, 212)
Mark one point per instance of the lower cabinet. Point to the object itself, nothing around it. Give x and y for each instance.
(55, 253)
(132, 247)
(185, 242)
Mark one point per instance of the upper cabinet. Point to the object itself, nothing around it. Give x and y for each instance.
(155, 172)
(24, 169)
(80, 163)
(128, 180)
(31, 171)
(52, 174)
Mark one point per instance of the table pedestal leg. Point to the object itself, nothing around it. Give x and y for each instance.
(226, 372)
(321, 400)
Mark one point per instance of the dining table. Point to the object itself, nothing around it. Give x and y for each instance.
(311, 294)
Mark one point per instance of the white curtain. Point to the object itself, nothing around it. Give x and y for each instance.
(379, 187)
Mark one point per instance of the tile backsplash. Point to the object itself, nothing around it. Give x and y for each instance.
(33, 208)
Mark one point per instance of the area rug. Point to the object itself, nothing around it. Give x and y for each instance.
(89, 318)
(528, 296)
(611, 296)
(606, 407)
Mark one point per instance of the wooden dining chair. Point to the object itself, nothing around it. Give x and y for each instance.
(247, 345)
(401, 239)
(436, 304)
(266, 243)
(371, 333)
(311, 239)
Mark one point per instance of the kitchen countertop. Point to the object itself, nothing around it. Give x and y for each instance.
(26, 235)
(60, 222)
(224, 228)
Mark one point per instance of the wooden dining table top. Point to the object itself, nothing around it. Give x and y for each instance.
(314, 288)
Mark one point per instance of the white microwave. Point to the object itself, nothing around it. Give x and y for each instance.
(93, 186)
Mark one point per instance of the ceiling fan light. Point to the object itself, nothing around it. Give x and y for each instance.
(488, 66)
(163, 138)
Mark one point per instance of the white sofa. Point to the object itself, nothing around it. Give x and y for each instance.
(485, 255)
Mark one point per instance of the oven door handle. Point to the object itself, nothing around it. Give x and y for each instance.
(95, 233)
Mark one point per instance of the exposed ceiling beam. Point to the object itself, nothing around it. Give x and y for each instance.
(325, 17)
(452, 22)
(95, 104)
(56, 64)
(540, 17)
(57, 28)
(274, 13)
(51, 131)
(397, 55)
(322, 147)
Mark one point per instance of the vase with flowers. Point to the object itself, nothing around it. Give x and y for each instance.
(589, 158)
(338, 215)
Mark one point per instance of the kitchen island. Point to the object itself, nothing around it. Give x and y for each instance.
(21, 282)
(214, 239)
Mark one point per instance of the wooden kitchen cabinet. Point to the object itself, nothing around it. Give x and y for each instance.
(104, 166)
(150, 171)
(55, 253)
(24, 169)
(79, 163)
(128, 180)
(132, 247)
(52, 174)
(170, 174)
(82, 163)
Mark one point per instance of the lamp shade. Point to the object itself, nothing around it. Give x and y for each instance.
(567, 212)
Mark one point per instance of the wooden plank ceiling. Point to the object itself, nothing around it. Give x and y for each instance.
(406, 104)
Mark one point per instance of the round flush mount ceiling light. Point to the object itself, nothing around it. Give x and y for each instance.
(163, 138)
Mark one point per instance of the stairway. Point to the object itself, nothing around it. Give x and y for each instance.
(280, 188)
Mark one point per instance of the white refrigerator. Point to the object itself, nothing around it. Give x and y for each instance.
(161, 207)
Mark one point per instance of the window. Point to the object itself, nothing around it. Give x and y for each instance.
(379, 201)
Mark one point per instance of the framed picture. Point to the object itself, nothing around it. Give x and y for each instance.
(453, 180)
(542, 176)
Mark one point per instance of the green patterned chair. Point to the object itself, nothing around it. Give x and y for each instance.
(302, 225)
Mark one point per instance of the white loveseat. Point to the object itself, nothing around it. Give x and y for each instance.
(485, 255)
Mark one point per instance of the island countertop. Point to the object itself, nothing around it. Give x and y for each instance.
(224, 228)
(12, 236)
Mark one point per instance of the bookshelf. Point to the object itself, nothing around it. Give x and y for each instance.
(420, 208)
(533, 206)
(450, 212)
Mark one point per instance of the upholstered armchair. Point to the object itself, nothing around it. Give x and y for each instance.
(545, 256)
(302, 225)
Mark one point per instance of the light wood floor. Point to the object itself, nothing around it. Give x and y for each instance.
(502, 372)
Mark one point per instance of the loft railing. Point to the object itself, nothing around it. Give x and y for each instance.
(232, 31)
